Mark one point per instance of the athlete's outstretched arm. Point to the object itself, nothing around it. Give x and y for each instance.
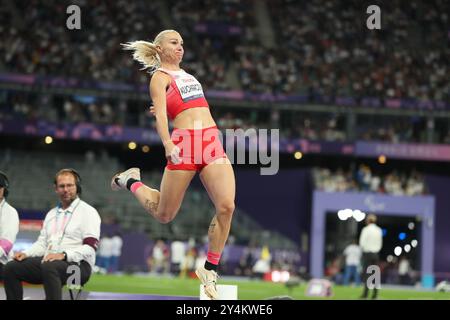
(158, 86)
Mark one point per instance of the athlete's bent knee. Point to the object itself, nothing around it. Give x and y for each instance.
(166, 216)
(226, 208)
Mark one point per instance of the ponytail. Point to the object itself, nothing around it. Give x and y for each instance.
(145, 53)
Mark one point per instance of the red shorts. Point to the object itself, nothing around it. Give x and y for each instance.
(198, 148)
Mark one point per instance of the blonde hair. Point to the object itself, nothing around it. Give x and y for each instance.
(145, 52)
(371, 218)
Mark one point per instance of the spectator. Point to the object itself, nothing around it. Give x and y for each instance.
(262, 265)
(9, 224)
(159, 261)
(105, 253)
(371, 242)
(352, 255)
(177, 249)
(116, 252)
(404, 270)
(69, 237)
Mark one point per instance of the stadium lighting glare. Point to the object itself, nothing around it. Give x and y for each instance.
(398, 251)
(382, 159)
(411, 226)
(276, 276)
(407, 248)
(48, 140)
(345, 214)
(389, 258)
(145, 149)
(414, 243)
(132, 145)
(298, 155)
(359, 215)
(402, 236)
(285, 276)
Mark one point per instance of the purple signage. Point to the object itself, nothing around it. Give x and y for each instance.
(429, 152)
(322, 147)
(80, 131)
(117, 133)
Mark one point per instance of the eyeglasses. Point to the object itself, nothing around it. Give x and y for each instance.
(69, 185)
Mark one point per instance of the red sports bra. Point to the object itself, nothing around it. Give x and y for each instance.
(184, 92)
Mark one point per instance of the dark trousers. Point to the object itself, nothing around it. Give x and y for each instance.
(53, 275)
(368, 259)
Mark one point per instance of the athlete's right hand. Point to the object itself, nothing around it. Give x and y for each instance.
(19, 256)
(173, 153)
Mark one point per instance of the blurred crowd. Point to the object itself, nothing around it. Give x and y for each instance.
(181, 258)
(346, 268)
(38, 42)
(316, 49)
(329, 48)
(326, 51)
(363, 179)
(251, 261)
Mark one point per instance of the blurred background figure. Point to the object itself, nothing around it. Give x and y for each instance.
(404, 271)
(9, 224)
(246, 261)
(116, 252)
(371, 242)
(352, 254)
(188, 265)
(263, 265)
(105, 250)
(177, 256)
(159, 261)
(334, 270)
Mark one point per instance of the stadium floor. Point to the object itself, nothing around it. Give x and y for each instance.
(128, 287)
(38, 294)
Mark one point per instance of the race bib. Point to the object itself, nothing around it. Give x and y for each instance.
(189, 87)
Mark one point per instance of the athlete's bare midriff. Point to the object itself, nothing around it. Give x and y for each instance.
(194, 118)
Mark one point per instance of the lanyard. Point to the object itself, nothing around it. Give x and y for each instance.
(64, 225)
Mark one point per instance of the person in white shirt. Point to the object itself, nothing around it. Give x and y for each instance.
(9, 224)
(116, 252)
(160, 258)
(371, 242)
(69, 237)
(404, 269)
(105, 249)
(178, 252)
(352, 255)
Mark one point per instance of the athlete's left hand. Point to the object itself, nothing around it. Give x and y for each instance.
(173, 153)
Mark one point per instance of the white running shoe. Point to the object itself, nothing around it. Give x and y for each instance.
(209, 280)
(119, 181)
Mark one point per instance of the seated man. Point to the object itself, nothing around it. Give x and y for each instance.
(9, 224)
(69, 237)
